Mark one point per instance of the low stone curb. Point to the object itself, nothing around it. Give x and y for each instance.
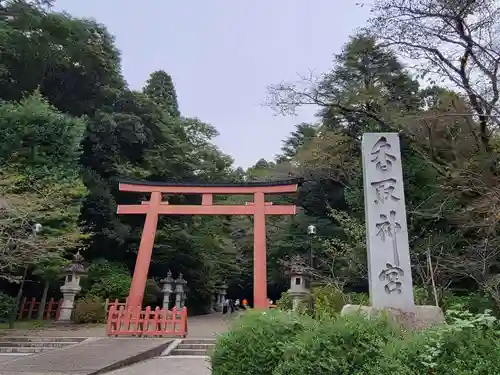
(148, 354)
(171, 347)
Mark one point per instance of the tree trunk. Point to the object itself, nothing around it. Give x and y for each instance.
(43, 301)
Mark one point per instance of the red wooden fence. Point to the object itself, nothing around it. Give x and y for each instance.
(116, 303)
(29, 309)
(137, 322)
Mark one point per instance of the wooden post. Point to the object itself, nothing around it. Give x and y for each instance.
(21, 309)
(32, 306)
(49, 309)
(141, 270)
(59, 307)
(259, 252)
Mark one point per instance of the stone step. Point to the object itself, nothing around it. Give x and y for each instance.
(41, 339)
(189, 352)
(195, 346)
(36, 344)
(8, 349)
(198, 341)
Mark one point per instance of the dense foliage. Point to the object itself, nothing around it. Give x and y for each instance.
(282, 343)
(71, 128)
(89, 309)
(257, 343)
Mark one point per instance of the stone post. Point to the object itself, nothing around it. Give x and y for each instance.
(389, 268)
(179, 290)
(300, 281)
(184, 295)
(71, 287)
(167, 289)
(222, 296)
(213, 306)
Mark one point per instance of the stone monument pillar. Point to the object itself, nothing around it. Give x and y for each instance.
(71, 287)
(167, 289)
(179, 290)
(389, 267)
(300, 281)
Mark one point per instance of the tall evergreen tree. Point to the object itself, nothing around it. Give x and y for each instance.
(160, 88)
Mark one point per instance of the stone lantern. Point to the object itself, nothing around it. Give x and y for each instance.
(167, 289)
(71, 287)
(300, 281)
(180, 283)
(220, 297)
(184, 296)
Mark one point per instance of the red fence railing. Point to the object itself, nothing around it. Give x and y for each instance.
(28, 309)
(137, 322)
(116, 303)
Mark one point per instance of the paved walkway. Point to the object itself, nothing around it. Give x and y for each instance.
(100, 351)
(167, 365)
(87, 357)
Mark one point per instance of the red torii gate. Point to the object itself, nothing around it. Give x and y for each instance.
(259, 208)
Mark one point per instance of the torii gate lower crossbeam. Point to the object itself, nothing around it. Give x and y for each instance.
(259, 208)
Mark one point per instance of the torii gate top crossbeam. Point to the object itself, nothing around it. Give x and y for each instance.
(271, 187)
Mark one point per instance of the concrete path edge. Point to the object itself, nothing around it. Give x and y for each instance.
(148, 354)
(173, 345)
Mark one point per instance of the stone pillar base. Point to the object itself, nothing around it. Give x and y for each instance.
(422, 317)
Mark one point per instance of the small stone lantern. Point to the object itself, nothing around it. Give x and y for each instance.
(300, 281)
(221, 296)
(180, 283)
(71, 287)
(167, 289)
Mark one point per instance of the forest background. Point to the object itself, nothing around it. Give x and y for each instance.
(70, 127)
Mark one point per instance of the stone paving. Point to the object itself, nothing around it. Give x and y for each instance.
(77, 361)
(88, 357)
(167, 365)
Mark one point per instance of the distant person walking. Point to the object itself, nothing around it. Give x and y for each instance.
(225, 306)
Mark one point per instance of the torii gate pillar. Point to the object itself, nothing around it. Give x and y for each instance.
(259, 208)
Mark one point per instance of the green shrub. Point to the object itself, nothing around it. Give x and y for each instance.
(328, 301)
(285, 302)
(473, 302)
(114, 286)
(256, 343)
(152, 293)
(358, 299)
(107, 280)
(7, 306)
(346, 345)
(90, 309)
(468, 344)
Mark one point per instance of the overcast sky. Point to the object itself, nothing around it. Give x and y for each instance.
(222, 54)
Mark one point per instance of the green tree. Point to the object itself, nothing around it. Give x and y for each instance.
(453, 42)
(160, 88)
(72, 61)
(39, 182)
